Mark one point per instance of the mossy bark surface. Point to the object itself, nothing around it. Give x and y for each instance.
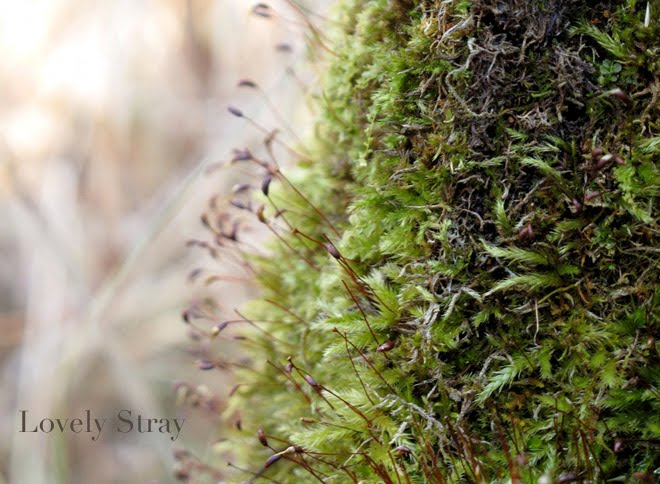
(471, 289)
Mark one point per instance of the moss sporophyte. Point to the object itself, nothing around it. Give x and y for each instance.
(462, 283)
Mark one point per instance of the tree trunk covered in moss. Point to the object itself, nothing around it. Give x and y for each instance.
(487, 307)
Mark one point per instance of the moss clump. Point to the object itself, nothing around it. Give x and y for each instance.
(470, 292)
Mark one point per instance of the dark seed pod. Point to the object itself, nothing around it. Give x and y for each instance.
(604, 161)
(402, 451)
(215, 331)
(247, 83)
(242, 155)
(385, 347)
(238, 204)
(235, 111)
(186, 316)
(619, 94)
(643, 476)
(596, 153)
(569, 477)
(262, 10)
(233, 235)
(239, 424)
(265, 184)
(271, 460)
(312, 383)
(283, 47)
(205, 365)
(194, 274)
(333, 251)
(527, 233)
(260, 214)
(577, 205)
(262, 437)
(240, 188)
(591, 195)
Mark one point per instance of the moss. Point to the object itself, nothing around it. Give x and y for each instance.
(470, 292)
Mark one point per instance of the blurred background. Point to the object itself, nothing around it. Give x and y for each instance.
(111, 115)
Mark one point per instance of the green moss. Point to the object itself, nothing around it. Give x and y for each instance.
(507, 259)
